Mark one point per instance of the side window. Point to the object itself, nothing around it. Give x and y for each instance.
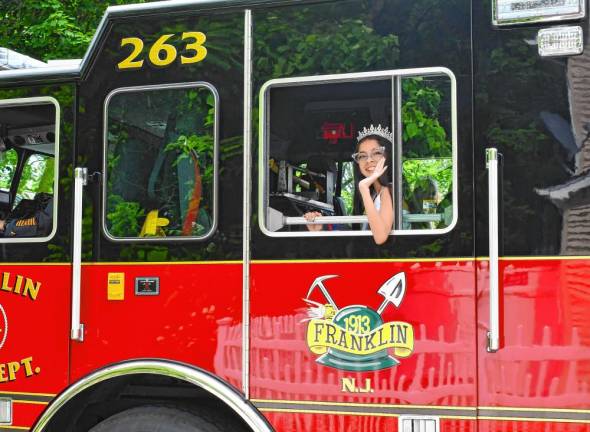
(37, 177)
(28, 171)
(8, 164)
(160, 162)
(309, 148)
(426, 153)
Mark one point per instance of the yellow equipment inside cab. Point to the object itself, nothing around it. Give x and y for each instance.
(153, 225)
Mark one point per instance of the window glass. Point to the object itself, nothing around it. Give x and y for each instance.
(160, 162)
(37, 177)
(309, 139)
(427, 164)
(312, 137)
(29, 132)
(8, 163)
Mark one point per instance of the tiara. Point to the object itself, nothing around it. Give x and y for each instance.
(372, 130)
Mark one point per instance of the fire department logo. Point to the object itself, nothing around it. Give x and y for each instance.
(3, 326)
(355, 338)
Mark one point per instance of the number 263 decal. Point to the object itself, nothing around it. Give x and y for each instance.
(161, 53)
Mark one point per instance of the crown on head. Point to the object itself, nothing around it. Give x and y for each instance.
(372, 130)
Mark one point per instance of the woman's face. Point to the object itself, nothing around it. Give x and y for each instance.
(372, 153)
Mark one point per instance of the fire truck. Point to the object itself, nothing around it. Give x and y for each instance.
(159, 273)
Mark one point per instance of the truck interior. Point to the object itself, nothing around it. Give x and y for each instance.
(159, 163)
(312, 134)
(27, 158)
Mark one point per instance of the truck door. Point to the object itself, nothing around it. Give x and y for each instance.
(532, 110)
(161, 133)
(36, 126)
(347, 334)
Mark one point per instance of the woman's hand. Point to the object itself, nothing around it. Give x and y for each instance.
(377, 172)
(310, 217)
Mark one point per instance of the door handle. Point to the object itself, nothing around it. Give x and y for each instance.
(492, 158)
(80, 180)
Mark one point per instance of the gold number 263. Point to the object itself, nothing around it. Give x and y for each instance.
(162, 53)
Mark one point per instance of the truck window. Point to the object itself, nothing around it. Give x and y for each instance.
(8, 164)
(309, 129)
(28, 173)
(160, 155)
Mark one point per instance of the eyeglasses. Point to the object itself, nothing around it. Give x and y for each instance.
(375, 154)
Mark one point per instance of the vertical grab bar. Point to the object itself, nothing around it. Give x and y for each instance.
(493, 224)
(80, 180)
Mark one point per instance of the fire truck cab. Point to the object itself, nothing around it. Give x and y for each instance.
(185, 247)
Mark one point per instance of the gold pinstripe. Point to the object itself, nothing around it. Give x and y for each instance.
(430, 407)
(27, 402)
(354, 413)
(354, 404)
(563, 410)
(27, 394)
(535, 419)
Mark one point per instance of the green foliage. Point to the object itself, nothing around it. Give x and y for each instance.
(37, 176)
(125, 217)
(348, 186)
(51, 29)
(8, 164)
(423, 134)
(438, 170)
(292, 45)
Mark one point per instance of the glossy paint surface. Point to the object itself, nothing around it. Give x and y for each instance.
(544, 360)
(439, 305)
(327, 423)
(185, 322)
(34, 331)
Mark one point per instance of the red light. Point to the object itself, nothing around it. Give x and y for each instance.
(333, 132)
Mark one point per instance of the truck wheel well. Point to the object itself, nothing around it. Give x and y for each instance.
(115, 395)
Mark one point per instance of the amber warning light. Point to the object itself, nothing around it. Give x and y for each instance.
(510, 12)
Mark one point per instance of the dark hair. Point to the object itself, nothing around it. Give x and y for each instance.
(358, 176)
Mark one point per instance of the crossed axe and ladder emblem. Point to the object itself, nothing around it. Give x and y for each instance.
(355, 337)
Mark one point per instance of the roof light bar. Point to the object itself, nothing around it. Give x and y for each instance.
(513, 12)
(12, 60)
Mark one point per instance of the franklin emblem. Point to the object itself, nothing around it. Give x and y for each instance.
(355, 338)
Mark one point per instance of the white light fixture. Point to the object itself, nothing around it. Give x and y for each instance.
(560, 41)
(5, 411)
(512, 12)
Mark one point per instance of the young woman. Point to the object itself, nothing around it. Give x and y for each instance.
(373, 194)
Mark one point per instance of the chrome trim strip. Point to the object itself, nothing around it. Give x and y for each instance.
(41, 101)
(80, 180)
(493, 233)
(24, 398)
(157, 87)
(396, 101)
(247, 204)
(539, 415)
(461, 412)
(341, 78)
(366, 409)
(191, 375)
(46, 73)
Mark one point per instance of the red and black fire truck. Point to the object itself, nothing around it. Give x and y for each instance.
(158, 271)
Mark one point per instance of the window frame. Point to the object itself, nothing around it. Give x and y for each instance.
(41, 100)
(395, 75)
(156, 87)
